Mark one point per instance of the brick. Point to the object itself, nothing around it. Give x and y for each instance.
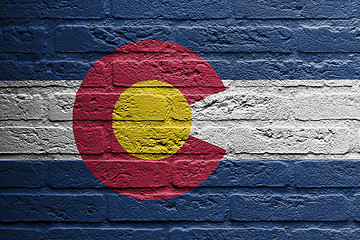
(224, 68)
(214, 135)
(289, 208)
(94, 106)
(43, 70)
(237, 105)
(183, 71)
(322, 174)
(99, 75)
(81, 233)
(327, 106)
(310, 85)
(56, 208)
(68, 70)
(21, 107)
(328, 69)
(26, 174)
(289, 140)
(171, 9)
(249, 173)
(79, 38)
(37, 140)
(318, 9)
(275, 139)
(23, 39)
(235, 39)
(61, 106)
(90, 140)
(21, 233)
(29, 141)
(357, 207)
(12, 85)
(65, 9)
(124, 174)
(325, 233)
(209, 207)
(268, 69)
(191, 173)
(18, 70)
(327, 39)
(59, 140)
(228, 233)
(265, 69)
(72, 174)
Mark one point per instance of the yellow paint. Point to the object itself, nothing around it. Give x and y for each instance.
(152, 120)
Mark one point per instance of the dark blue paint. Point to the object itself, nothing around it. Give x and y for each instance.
(27, 174)
(249, 191)
(38, 36)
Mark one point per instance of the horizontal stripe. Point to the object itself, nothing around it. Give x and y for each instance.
(70, 174)
(66, 191)
(252, 119)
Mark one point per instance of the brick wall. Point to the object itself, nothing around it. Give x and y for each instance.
(288, 120)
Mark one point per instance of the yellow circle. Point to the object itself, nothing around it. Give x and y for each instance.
(152, 120)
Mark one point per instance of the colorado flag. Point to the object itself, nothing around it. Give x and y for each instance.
(217, 119)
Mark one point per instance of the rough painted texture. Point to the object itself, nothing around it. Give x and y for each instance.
(300, 9)
(78, 9)
(49, 207)
(288, 208)
(291, 168)
(256, 39)
(290, 171)
(109, 93)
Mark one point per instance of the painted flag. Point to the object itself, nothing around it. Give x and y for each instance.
(179, 119)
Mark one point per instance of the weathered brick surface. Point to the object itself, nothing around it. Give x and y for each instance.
(21, 106)
(323, 233)
(59, 207)
(26, 174)
(37, 140)
(289, 208)
(104, 39)
(322, 174)
(288, 9)
(82, 233)
(189, 207)
(85, 39)
(235, 105)
(23, 40)
(172, 9)
(19, 233)
(71, 174)
(292, 69)
(281, 140)
(357, 204)
(236, 39)
(328, 39)
(295, 104)
(106, 233)
(60, 106)
(328, 106)
(288, 120)
(228, 233)
(246, 207)
(66, 9)
(244, 173)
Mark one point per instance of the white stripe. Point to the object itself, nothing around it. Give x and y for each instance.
(281, 119)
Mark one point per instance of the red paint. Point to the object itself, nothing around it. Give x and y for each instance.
(92, 120)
